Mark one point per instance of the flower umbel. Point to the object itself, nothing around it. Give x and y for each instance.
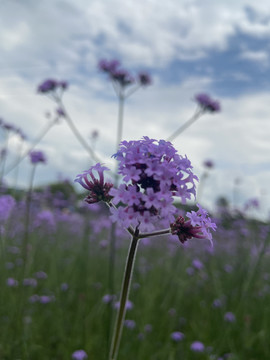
(153, 174)
(98, 189)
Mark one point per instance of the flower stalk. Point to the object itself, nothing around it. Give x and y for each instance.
(124, 296)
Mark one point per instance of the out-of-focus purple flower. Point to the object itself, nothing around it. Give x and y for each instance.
(37, 157)
(108, 66)
(107, 299)
(47, 219)
(228, 268)
(123, 77)
(252, 203)
(177, 336)
(60, 112)
(64, 286)
(47, 86)
(45, 299)
(154, 173)
(144, 79)
(41, 275)
(130, 324)
(34, 298)
(197, 346)
(229, 317)
(129, 305)
(148, 328)
(197, 264)
(217, 303)
(190, 271)
(7, 204)
(79, 355)
(207, 104)
(31, 282)
(98, 189)
(94, 134)
(12, 282)
(51, 85)
(208, 164)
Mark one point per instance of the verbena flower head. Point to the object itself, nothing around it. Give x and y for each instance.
(153, 174)
(51, 85)
(197, 346)
(97, 187)
(79, 355)
(207, 104)
(198, 226)
(37, 157)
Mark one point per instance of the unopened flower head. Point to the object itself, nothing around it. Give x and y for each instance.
(37, 157)
(207, 103)
(153, 174)
(144, 79)
(97, 187)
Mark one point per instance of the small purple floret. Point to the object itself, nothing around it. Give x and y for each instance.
(197, 346)
(207, 103)
(37, 157)
(79, 355)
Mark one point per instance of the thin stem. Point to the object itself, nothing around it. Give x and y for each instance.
(121, 101)
(124, 297)
(183, 127)
(76, 132)
(27, 220)
(155, 233)
(37, 140)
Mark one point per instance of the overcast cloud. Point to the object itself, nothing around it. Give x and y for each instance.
(221, 48)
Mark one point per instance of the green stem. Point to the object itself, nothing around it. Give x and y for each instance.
(36, 141)
(77, 133)
(124, 297)
(183, 127)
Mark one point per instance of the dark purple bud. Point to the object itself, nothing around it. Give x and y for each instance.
(144, 79)
(47, 86)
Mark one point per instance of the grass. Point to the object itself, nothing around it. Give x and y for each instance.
(169, 292)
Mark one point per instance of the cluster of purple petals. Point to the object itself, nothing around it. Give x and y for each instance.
(10, 127)
(7, 204)
(122, 76)
(50, 85)
(37, 157)
(153, 174)
(207, 103)
(97, 187)
(202, 221)
(79, 355)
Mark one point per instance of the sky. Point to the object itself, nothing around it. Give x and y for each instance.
(221, 48)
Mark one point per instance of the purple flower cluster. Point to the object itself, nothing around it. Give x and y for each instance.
(7, 204)
(98, 189)
(201, 220)
(51, 85)
(153, 174)
(122, 76)
(37, 157)
(197, 226)
(207, 104)
(79, 355)
(10, 127)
